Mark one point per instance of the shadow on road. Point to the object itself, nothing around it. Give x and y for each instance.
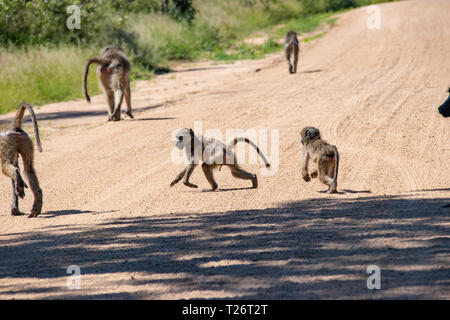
(309, 249)
(78, 114)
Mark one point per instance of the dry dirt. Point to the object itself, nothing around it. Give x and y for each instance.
(109, 210)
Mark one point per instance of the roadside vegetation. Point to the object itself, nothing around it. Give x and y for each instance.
(42, 61)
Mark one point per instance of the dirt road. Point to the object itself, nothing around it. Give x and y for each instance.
(108, 207)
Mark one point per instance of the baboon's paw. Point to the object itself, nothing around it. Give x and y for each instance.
(34, 214)
(314, 174)
(255, 182)
(20, 188)
(190, 185)
(307, 178)
(16, 212)
(130, 114)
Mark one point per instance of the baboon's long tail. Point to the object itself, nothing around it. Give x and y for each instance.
(336, 163)
(250, 142)
(17, 122)
(86, 71)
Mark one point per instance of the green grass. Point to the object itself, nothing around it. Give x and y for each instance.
(42, 76)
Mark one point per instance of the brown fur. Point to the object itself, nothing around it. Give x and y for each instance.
(113, 74)
(321, 152)
(291, 47)
(213, 154)
(14, 142)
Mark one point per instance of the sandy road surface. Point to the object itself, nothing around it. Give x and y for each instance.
(110, 211)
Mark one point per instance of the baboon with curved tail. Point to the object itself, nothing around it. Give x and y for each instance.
(14, 142)
(113, 74)
(214, 154)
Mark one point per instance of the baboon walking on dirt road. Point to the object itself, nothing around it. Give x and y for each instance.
(291, 48)
(14, 142)
(321, 152)
(212, 153)
(113, 74)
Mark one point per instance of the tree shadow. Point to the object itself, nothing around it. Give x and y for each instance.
(199, 69)
(59, 213)
(153, 119)
(311, 71)
(356, 191)
(79, 114)
(308, 249)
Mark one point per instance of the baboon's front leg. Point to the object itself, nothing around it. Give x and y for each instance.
(187, 176)
(110, 100)
(295, 61)
(288, 58)
(305, 161)
(178, 177)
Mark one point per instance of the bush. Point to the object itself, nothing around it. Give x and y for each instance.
(45, 22)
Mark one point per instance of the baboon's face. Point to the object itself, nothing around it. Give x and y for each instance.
(183, 138)
(108, 48)
(444, 109)
(309, 134)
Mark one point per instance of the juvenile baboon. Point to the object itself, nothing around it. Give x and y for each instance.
(291, 47)
(14, 142)
(214, 154)
(444, 109)
(321, 152)
(113, 74)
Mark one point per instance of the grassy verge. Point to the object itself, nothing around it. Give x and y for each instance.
(153, 41)
(243, 50)
(42, 76)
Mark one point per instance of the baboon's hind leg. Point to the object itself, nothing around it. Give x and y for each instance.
(288, 58)
(10, 169)
(324, 177)
(127, 93)
(117, 110)
(237, 172)
(208, 171)
(15, 199)
(26, 152)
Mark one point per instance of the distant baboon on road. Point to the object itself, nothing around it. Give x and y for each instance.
(14, 142)
(291, 47)
(444, 109)
(113, 74)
